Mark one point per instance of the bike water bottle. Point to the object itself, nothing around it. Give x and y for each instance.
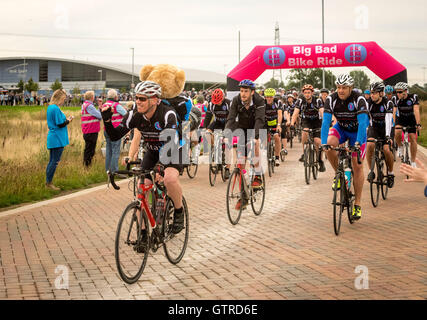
(246, 176)
(347, 172)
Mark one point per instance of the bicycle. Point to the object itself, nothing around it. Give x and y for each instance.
(311, 162)
(405, 157)
(192, 167)
(379, 169)
(344, 196)
(146, 226)
(217, 158)
(241, 190)
(291, 135)
(270, 151)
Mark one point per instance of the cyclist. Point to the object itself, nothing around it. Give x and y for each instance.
(408, 109)
(367, 94)
(152, 117)
(311, 119)
(389, 93)
(323, 95)
(218, 107)
(271, 120)
(247, 111)
(350, 109)
(283, 120)
(381, 123)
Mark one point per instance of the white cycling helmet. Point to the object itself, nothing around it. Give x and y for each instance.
(344, 80)
(401, 86)
(148, 88)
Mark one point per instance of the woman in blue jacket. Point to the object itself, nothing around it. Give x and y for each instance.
(57, 138)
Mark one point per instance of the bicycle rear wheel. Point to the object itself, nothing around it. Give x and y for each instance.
(213, 171)
(314, 162)
(257, 196)
(338, 202)
(129, 241)
(234, 195)
(174, 245)
(307, 169)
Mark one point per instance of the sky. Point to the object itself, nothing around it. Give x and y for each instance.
(204, 34)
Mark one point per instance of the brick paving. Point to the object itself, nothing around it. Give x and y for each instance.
(288, 252)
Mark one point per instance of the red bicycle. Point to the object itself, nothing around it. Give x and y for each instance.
(146, 224)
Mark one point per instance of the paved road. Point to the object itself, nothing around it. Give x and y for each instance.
(288, 252)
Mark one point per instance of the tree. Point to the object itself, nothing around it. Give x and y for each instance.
(361, 79)
(298, 77)
(31, 86)
(273, 83)
(76, 96)
(123, 90)
(21, 86)
(419, 91)
(56, 85)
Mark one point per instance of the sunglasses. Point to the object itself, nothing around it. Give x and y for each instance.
(143, 99)
(399, 91)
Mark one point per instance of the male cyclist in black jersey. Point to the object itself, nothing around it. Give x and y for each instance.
(311, 119)
(271, 120)
(247, 111)
(381, 124)
(219, 107)
(350, 109)
(408, 108)
(156, 121)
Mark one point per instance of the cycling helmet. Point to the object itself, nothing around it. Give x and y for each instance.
(290, 95)
(401, 86)
(149, 89)
(217, 96)
(247, 84)
(367, 92)
(270, 92)
(388, 89)
(307, 87)
(195, 118)
(324, 90)
(344, 80)
(377, 87)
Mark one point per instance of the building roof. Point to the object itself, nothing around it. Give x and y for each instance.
(191, 75)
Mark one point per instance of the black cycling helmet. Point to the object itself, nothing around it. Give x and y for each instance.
(195, 118)
(377, 86)
(324, 90)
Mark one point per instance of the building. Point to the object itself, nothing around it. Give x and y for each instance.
(87, 75)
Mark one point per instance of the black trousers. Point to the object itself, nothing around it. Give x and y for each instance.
(90, 145)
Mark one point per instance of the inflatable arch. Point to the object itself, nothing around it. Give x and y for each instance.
(368, 54)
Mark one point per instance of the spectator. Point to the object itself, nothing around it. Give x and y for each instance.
(112, 150)
(57, 137)
(90, 126)
(418, 174)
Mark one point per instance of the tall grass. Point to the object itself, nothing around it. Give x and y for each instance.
(24, 156)
(422, 139)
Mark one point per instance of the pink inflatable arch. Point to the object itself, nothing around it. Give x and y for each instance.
(368, 54)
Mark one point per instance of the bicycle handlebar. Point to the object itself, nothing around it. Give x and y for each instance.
(344, 149)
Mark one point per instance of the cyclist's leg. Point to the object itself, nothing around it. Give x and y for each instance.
(335, 138)
(359, 179)
(398, 133)
(388, 158)
(370, 147)
(413, 143)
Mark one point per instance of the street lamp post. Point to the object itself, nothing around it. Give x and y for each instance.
(323, 38)
(133, 54)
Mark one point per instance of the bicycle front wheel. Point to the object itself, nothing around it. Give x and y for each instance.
(234, 195)
(374, 184)
(384, 179)
(131, 246)
(174, 244)
(307, 168)
(338, 202)
(314, 162)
